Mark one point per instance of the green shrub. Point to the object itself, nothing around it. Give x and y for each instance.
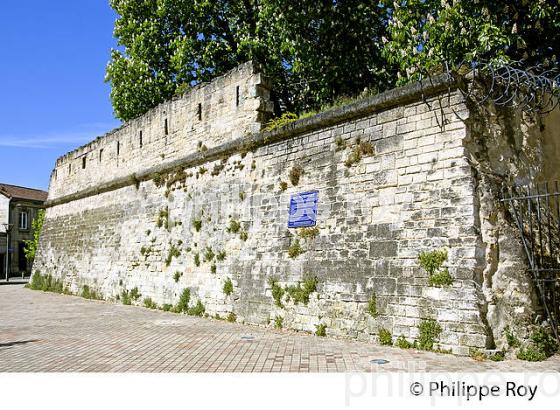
(213, 268)
(531, 354)
(497, 356)
(184, 300)
(277, 292)
(385, 337)
(321, 330)
(167, 307)
(441, 278)
(284, 119)
(403, 343)
(511, 339)
(243, 235)
(544, 341)
(295, 249)
(299, 293)
(477, 355)
(88, 293)
(232, 317)
(283, 186)
(149, 303)
(429, 332)
(228, 287)
(432, 263)
(196, 258)
(372, 305)
(197, 310)
(125, 297)
(47, 283)
(278, 322)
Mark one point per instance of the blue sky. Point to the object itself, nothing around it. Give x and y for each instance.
(53, 98)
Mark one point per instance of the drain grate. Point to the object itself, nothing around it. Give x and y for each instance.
(247, 337)
(379, 361)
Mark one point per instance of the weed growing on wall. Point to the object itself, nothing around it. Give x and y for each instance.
(278, 322)
(542, 346)
(385, 337)
(196, 259)
(277, 292)
(432, 263)
(177, 276)
(243, 235)
(301, 292)
(234, 226)
(295, 174)
(184, 300)
(228, 287)
(197, 224)
(429, 333)
(281, 121)
(321, 330)
(404, 344)
(208, 254)
(173, 252)
(88, 293)
(372, 305)
(310, 232)
(150, 304)
(283, 186)
(295, 249)
(221, 256)
(197, 310)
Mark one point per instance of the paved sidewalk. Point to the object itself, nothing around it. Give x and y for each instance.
(45, 332)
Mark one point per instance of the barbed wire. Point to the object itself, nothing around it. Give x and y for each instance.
(533, 89)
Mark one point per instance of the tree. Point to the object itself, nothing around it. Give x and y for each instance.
(31, 245)
(426, 34)
(313, 51)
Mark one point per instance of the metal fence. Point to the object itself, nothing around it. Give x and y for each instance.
(536, 211)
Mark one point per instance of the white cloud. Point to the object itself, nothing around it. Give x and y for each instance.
(81, 135)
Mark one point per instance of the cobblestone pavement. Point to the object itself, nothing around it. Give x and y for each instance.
(45, 332)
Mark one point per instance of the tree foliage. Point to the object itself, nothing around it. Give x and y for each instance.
(31, 246)
(313, 51)
(423, 35)
(316, 51)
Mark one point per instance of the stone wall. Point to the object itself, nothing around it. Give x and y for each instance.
(223, 110)
(420, 189)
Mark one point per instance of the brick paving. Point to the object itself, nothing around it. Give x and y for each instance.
(45, 332)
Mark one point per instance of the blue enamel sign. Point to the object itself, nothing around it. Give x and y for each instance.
(303, 209)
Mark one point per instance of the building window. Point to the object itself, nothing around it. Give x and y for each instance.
(84, 163)
(141, 140)
(24, 220)
(166, 127)
(199, 112)
(237, 96)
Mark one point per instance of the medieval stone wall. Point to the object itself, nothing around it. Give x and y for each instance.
(418, 190)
